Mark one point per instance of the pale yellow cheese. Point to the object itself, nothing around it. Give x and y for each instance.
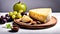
(41, 14)
(26, 18)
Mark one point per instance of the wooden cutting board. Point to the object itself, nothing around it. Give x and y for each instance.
(49, 24)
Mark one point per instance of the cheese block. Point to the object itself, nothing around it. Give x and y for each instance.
(41, 14)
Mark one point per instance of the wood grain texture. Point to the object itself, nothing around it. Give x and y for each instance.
(49, 24)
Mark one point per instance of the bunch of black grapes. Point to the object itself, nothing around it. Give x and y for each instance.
(5, 19)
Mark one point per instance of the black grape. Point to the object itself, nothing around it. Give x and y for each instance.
(6, 15)
(4, 20)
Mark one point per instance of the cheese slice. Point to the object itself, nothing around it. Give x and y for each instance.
(41, 14)
(26, 18)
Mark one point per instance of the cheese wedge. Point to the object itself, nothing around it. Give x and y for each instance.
(41, 14)
(26, 18)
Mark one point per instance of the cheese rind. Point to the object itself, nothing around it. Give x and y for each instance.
(41, 14)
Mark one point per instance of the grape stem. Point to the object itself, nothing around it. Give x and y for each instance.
(19, 2)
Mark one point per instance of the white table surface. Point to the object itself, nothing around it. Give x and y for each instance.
(53, 30)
